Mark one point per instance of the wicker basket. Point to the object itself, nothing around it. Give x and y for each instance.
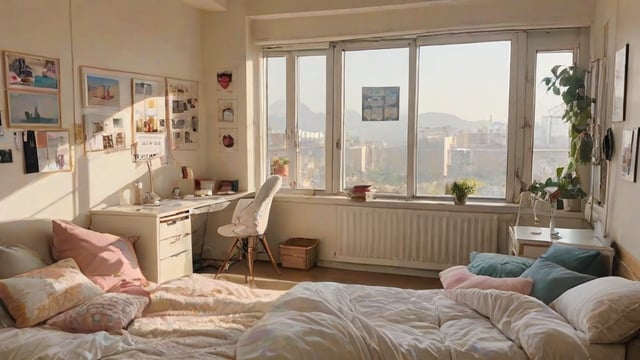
(299, 253)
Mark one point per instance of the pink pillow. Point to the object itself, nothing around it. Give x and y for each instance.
(104, 258)
(519, 285)
(454, 276)
(110, 312)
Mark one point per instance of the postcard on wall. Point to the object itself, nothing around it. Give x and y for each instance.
(381, 103)
(148, 106)
(224, 80)
(226, 110)
(228, 139)
(32, 109)
(184, 113)
(31, 72)
(53, 151)
(148, 146)
(101, 91)
(104, 132)
(629, 158)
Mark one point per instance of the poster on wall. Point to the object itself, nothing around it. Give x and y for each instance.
(381, 103)
(620, 84)
(33, 109)
(148, 106)
(31, 72)
(148, 146)
(226, 110)
(629, 159)
(184, 114)
(101, 91)
(46, 151)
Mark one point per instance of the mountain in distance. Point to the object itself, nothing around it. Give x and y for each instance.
(375, 130)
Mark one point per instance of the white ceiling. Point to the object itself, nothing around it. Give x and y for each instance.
(208, 5)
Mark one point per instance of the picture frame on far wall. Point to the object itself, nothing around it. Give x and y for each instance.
(31, 72)
(629, 158)
(33, 109)
(619, 107)
(101, 91)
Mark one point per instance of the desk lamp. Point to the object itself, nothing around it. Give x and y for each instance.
(150, 197)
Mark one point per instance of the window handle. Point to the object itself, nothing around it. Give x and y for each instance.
(338, 144)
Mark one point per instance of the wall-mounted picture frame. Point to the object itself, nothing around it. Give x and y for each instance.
(33, 109)
(629, 154)
(148, 106)
(107, 132)
(184, 112)
(228, 139)
(226, 110)
(31, 72)
(47, 151)
(224, 80)
(101, 91)
(619, 107)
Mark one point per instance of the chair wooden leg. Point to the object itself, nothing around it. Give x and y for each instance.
(251, 252)
(226, 260)
(265, 245)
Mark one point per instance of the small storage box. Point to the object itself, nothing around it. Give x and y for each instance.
(299, 253)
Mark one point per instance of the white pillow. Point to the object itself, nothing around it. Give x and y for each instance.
(17, 259)
(606, 309)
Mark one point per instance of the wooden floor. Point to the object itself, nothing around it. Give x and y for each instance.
(263, 269)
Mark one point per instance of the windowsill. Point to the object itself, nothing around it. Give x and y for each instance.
(471, 206)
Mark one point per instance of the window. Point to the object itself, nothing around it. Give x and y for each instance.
(550, 133)
(463, 114)
(296, 144)
(411, 115)
(375, 144)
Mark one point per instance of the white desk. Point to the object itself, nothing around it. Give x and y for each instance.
(531, 241)
(164, 247)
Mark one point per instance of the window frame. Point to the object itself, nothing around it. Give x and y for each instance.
(521, 100)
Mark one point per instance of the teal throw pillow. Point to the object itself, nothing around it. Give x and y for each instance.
(498, 265)
(550, 280)
(586, 261)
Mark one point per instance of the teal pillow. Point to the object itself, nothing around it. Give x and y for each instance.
(498, 265)
(550, 280)
(584, 261)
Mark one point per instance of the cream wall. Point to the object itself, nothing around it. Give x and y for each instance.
(623, 196)
(155, 37)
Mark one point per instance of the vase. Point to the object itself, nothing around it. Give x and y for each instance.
(460, 199)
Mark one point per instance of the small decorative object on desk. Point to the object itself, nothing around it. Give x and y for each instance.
(361, 193)
(460, 189)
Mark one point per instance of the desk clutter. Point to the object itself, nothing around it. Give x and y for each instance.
(206, 187)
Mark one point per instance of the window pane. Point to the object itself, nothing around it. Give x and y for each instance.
(463, 112)
(550, 134)
(277, 154)
(312, 105)
(375, 152)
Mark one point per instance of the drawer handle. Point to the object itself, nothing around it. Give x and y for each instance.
(180, 253)
(177, 238)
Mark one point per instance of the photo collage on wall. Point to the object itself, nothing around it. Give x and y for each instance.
(106, 124)
(183, 112)
(226, 111)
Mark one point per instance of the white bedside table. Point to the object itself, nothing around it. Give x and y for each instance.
(531, 241)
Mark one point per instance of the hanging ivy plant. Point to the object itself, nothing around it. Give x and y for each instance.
(569, 83)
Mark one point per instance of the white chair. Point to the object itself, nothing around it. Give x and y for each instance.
(249, 223)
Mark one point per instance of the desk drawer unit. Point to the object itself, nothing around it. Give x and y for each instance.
(164, 247)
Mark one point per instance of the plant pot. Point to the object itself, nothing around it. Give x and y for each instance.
(460, 199)
(282, 170)
(572, 204)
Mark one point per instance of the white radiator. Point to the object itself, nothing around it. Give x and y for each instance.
(414, 238)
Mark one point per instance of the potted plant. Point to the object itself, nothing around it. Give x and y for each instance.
(569, 83)
(565, 187)
(460, 189)
(280, 166)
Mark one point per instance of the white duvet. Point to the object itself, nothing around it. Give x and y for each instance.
(337, 321)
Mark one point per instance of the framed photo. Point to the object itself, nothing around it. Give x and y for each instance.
(226, 110)
(33, 109)
(228, 139)
(31, 72)
(620, 84)
(184, 112)
(148, 106)
(101, 91)
(224, 79)
(629, 159)
(110, 132)
(54, 151)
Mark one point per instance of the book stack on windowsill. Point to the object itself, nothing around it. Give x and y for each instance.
(361, 193)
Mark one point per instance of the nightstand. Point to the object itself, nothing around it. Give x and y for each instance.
(531, 241)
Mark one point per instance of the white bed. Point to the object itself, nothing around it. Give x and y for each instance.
(198, 317)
